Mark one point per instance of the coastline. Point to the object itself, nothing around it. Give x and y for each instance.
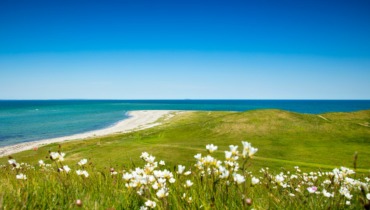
(137, 120)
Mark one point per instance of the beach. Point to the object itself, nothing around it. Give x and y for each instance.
(137, 120)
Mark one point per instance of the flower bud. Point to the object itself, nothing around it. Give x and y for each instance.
(78, 202)
(248, 201)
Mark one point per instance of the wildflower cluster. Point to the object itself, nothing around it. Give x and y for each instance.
(150, 179)
(337, 186)
(82, 171)
(211, 183)
(229, 169)
(58, 157)
(19, 167)
(42, 164)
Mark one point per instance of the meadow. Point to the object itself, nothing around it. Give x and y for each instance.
(202, 160)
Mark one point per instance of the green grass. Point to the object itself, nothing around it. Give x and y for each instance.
(284, 140)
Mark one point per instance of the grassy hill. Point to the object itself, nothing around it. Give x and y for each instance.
(116, 178)
(283, 138)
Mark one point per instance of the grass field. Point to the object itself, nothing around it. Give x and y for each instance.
(284, 139)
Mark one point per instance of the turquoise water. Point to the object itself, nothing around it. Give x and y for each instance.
(23, 121)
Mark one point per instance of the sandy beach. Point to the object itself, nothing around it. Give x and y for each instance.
(137, 120)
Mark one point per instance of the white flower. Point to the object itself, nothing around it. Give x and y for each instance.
(161, 193)
(248, 150)
(255, 181)
(211, 148)
(151, 178)
(327, 194)
(246, 144)
(209, 160)
(238, 178)
(85, 173)
(346, 171)
(150, 204)
(66, 169)
(144, 155)
(224, 173)
(161, 181)
(61, 156)
(127, 176)
(57, 156)
(327, 181)
(54, 155)
(155, 185)
(180, 169)
(348, 196)
(140, 191)
(143, 208)
(172, 180)
(198, 156)
(79, 172)
(233, 149)
(17, 165)
(82, 162)
(312, 189)
(12, 161)
(279, 179)
(368, 196)
(228, 155)
(41, 163)
(21, 176)
(252, 151)
(187, 173)
(348, 203)
(344, 191)
(293, 176)
(167, 174)
(150, 159)
(188, 183)
(162, 163)
(291, 195)
(158, 174)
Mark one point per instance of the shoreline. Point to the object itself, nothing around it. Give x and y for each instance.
(137, 120)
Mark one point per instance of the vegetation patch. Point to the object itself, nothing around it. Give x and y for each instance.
(303, 162)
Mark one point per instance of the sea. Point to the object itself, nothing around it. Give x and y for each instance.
(31, 120)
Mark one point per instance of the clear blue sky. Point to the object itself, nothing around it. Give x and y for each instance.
(258, 49)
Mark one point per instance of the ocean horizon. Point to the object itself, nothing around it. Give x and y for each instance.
(32, 120)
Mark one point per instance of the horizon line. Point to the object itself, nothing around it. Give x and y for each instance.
(186, 99)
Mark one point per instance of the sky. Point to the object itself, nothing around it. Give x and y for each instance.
(184, 49)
